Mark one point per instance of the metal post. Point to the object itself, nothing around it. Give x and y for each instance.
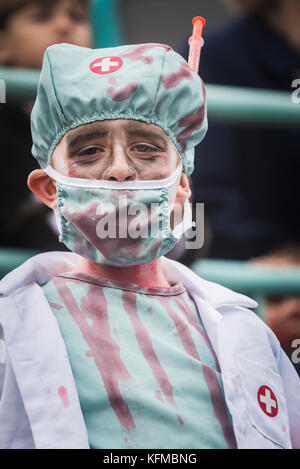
(106, 23)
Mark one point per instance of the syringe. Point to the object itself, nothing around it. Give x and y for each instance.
(196, 42)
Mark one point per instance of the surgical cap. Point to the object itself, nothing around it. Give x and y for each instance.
(146, 82)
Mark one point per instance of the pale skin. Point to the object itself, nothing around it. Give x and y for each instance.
(117, 150)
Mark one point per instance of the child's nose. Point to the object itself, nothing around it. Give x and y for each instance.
(119, 169)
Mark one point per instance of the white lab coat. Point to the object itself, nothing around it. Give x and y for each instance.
(34, 363)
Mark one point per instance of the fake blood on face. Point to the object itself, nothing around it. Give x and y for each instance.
(72, 168)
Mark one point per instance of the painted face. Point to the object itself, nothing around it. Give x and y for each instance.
(117, 183)
(118, 150)
(118, 223)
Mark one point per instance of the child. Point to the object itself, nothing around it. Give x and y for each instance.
(115, 345)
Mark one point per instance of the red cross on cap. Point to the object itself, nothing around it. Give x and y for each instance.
(105, 65)
(267, 401)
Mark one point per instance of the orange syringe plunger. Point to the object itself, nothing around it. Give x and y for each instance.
(196, 42)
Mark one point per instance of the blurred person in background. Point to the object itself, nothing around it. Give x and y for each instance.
(281, 312)
(247, 175)
(27, 28)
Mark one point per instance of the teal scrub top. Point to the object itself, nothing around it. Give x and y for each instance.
(145, 371)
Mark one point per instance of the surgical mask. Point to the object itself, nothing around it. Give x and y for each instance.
(118, 223)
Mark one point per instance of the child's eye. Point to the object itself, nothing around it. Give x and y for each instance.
(142, 148)
(90, 151)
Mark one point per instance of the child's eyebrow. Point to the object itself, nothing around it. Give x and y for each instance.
(140, 133)
(74, 142)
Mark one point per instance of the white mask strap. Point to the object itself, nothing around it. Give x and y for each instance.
(95, 183)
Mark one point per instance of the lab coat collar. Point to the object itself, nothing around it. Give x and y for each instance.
(210, 292)
(42, 267)
(38, 269)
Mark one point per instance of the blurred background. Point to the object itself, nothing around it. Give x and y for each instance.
(246, 169)
(170, 20)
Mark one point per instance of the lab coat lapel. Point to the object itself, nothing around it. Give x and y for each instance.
(39, 359)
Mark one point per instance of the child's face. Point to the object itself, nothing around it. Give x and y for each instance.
(33, 28)
(120, 150)
(116, 150)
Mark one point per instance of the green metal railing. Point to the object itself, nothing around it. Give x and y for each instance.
(252, 106)
(224, 103)
(11, 258)
(256, 280)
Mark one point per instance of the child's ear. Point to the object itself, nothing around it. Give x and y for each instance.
(43, 187)
(183, 190)
(183, 194)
